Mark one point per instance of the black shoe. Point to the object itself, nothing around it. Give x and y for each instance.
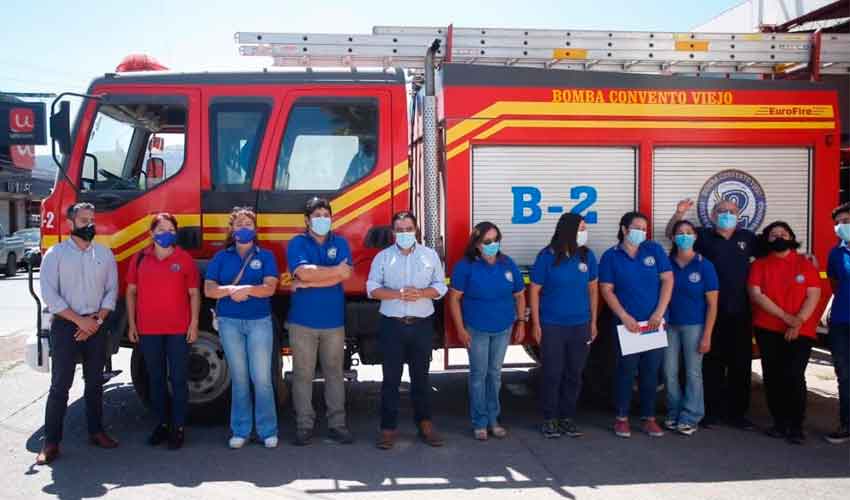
(158, 436)
(708, 422)
(742, 423)
(796, 436)
(777, 432)
(176, 438)
(551, 429)
(842, 435)
(303, 437)
(568, 428)
(341, 435)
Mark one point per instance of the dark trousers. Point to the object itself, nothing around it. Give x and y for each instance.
(727, 368)
(400, 344)
(839, 343)
(167, 358)
(563, 351)
(784, 369)
(65, 351)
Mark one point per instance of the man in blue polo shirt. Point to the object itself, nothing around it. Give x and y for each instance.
(838, 270)
(727, 368)
(319, 262)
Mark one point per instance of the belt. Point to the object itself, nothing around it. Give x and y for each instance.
(408, 320)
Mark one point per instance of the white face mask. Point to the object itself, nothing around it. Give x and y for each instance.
(581, 238)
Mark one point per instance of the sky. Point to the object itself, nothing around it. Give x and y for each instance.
(54, 46)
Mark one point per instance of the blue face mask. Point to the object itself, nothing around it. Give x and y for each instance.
(405, 240)
(166, 239)
(727, 221)
(843, 232)
(491, 249)
(320, 225)
(636, 237)
(685, 241)
(244, 235)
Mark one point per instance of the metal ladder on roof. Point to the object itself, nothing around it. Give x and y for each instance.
(730, 54)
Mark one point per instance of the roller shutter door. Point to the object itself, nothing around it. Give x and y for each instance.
(771, 183)
(506, 181)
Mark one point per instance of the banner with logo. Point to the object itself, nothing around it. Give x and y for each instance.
(23, 123)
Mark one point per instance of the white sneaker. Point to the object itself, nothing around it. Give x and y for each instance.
(270, 442)
(670, 424)
(236, 442)
(687, 429)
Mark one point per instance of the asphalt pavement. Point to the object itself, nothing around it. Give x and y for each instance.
(713, 464)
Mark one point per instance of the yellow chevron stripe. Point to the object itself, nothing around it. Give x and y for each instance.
(502, 108)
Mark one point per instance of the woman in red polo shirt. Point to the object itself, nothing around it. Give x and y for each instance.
(784, 289)
(162, 308)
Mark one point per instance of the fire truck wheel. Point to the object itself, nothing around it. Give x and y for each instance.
(208, 379)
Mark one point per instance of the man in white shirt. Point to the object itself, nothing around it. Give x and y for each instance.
(407, 278)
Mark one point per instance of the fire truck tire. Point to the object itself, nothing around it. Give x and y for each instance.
(209, 380)
(11, 266)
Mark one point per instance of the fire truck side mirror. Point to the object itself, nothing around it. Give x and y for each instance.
(60, 127)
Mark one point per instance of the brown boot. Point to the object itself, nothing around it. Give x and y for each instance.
(386, 440)
(49, 452)
(102, 440)
(428, 434)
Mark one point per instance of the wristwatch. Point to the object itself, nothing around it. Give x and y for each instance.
(99, 321)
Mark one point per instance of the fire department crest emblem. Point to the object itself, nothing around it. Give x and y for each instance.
(695, 277)
(738, 187)
(649, 261)
(256, 264)
(509, 276)
(582, 267)
(332, 252)
(175, 268)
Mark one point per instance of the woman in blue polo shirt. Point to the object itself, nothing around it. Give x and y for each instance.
(485, 300)
(563, 297)
(693, 311)
(636, 282)
(243, 277)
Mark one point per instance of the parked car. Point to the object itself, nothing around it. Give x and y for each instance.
(12, 249)
(32, 253)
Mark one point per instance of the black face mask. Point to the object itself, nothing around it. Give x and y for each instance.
(781, 245)
(85, 233)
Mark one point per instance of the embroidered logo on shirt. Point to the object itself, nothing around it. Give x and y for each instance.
(509, 276)
(742, 245)
(695, 278)
(332, 252)
(582, 267)
(175, 268)
(256, 264)
(800, 279)
(649, 261)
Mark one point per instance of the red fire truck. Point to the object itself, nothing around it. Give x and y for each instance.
(511, 126)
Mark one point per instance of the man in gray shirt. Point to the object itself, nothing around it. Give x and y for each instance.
(79, 284)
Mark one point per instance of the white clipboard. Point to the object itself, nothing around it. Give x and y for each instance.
(646, 340)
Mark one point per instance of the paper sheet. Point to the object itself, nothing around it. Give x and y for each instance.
(647, 340)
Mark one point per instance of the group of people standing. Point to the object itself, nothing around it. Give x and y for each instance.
(701, 292)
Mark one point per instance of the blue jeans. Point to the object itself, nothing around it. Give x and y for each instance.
(248, 348)
(683, 342)
(486, 355)
(647, 363)
(839, 342)
(167, 358)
